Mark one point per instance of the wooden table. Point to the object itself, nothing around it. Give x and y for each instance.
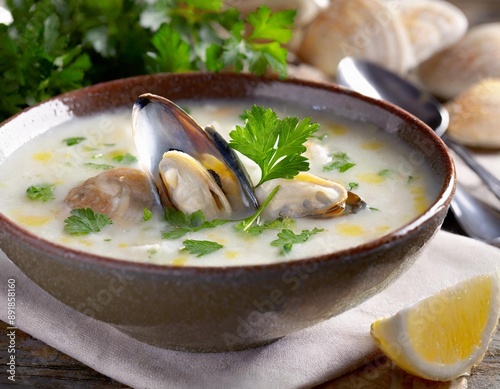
(41, 366)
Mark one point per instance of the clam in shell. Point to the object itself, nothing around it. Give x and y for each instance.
(360, 28)
(473, 58)
(121, 193)
(474, 115)
(432, 26)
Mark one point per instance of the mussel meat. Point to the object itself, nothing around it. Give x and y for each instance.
(307, 195)
(190, 187)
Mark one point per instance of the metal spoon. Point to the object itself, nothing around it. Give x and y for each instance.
(477, 218)
(374, 81)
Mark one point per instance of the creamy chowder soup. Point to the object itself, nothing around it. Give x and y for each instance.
(359, 156)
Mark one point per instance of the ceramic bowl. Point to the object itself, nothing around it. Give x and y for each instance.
(222, 308)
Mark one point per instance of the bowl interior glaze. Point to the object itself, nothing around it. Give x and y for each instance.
(219, 309)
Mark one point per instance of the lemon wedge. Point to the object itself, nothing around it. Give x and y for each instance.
(444, 335)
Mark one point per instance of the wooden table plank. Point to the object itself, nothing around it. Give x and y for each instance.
(41, 366)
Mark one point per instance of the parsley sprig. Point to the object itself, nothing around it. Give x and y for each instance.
(275, 144)
(183, 223)
(287, 238)
(44, 192)
(84, 221)
(200, 247)
(340, 161)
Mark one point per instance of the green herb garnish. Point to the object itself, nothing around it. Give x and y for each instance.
(386, 173)
(184, 223)
(84, 221)
(43, 192)
(411, 179)
(287, 238)
(257, 229)
(125, 159)
(98, 166)
(353, 185)
(374, 209)
(200, 247)
(147, 215)
(340, 161)
(275, 145)
(73, 141)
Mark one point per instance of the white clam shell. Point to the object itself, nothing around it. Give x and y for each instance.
(432, 26)
(473, 58)
(475, 115)
(361, 28)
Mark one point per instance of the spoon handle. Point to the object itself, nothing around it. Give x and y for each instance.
(489, 179)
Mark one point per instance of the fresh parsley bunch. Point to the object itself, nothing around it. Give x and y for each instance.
(54, 46)
(206, 37)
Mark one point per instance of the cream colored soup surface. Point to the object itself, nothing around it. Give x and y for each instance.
(388, 177)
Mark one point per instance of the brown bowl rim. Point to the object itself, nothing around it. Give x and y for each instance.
(55, 250)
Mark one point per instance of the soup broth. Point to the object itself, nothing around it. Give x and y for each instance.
(363, 158)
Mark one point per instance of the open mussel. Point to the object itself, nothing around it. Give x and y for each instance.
(161, 126)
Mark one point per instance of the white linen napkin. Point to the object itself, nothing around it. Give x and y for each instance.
(303, 359)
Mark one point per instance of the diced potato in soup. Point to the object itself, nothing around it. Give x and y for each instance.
(360, 157)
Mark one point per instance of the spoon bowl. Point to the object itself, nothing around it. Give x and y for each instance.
(379, 83)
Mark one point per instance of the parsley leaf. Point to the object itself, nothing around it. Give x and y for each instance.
(200, 247)
(98, 166)
(340, 162)
(385, 173)
(125, 159)
(184, 223)
(73, 141)
(287, 238)
(167, 41)
(43, 192)
(84, 221)
(353, 185)
(255, 230)
(275, 145)
(147, 215)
